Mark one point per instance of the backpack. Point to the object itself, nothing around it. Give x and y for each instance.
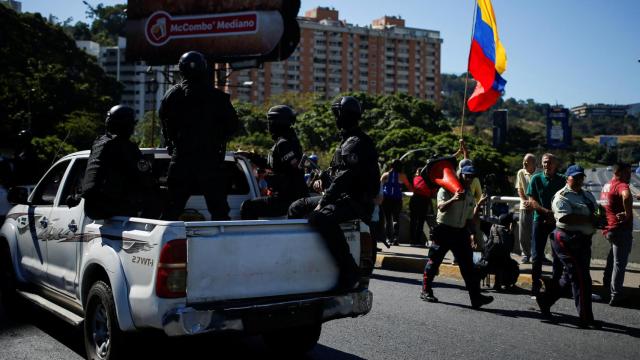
(499, 244)
(496, 258)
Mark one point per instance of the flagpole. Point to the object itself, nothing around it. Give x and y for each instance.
(466, 77)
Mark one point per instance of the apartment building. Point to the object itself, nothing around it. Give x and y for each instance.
(334, 56)
(599, 110)
(143, 86)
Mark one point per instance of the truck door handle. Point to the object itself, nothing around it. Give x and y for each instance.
(44, 222)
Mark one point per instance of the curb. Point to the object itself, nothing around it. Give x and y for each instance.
(416, 265)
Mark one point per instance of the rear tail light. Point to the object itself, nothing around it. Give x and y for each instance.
(171, 281)
(367, 260)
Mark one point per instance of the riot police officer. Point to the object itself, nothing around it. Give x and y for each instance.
(197, 121)
(26, 167)
(287, 179)
(354, 186)
(117, 178)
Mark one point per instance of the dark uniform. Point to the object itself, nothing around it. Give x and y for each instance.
(287, 178)
(117, 180)
(572, 245)
(197, 121)
(26, 167)
(350, 195)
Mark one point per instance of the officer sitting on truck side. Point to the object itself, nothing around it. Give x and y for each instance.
(287, 179)
(118, 180)
(352, 190)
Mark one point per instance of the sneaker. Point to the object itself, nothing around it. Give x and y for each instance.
(615, 301)
(593, 324)
(481, 300)
(546, 261)
(525, 260)
(428, 297)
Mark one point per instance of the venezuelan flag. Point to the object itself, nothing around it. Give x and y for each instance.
(487, 59)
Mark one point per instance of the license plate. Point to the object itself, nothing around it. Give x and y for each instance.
(272, 319)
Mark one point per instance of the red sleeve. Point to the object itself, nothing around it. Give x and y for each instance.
(421, 188)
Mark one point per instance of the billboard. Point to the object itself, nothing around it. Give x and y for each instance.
(558, 128)
(159, 31)
(609, 141)
(500, 126)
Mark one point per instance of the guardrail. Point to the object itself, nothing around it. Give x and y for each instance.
(513, 200)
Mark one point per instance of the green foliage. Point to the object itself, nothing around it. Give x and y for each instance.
(628, 125)
(48, 85)
(108, 23)
(49, 149)
(148, 132)
(80, 129)
(397, 123)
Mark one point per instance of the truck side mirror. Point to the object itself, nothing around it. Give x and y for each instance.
(18, 195)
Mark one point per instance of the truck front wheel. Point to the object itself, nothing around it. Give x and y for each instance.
(293, 341)
(103, 338)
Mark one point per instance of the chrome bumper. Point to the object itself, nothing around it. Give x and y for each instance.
(192, 321)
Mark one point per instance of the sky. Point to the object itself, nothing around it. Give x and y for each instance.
(565, 52)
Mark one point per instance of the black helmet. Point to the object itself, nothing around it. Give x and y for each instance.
(347, 112)
(121, 120)
(192, 65)
(280, 118)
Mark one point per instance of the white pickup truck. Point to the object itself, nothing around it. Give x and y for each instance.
(269, 277)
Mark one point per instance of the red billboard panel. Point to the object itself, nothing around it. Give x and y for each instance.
(225, 31)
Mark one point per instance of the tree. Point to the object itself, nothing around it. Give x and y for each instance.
(108, 22)
(48, 85)
(148, 132)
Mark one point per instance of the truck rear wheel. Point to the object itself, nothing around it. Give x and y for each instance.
(293, 341)
(103, 338)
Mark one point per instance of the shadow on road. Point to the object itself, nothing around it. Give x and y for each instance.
(155, 344)
(557, 319)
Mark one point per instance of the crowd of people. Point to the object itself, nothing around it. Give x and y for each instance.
(198, 120)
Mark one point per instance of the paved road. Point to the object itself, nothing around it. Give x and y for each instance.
(399, 327)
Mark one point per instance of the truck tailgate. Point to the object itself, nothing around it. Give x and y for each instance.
(230, 260)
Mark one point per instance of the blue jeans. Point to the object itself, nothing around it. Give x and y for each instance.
(539, 236)
(613, 277)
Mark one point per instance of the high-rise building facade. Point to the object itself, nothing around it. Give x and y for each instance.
(143, 86)
(334, 57)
